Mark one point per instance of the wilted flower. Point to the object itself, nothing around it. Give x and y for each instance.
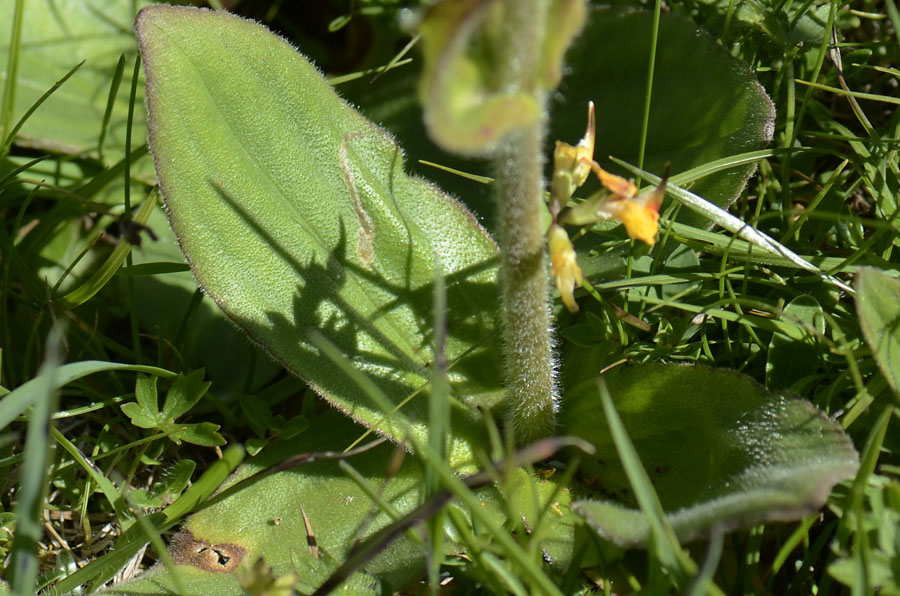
(572, 165)
(565, 270)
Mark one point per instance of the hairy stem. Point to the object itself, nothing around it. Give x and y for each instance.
(530, 364)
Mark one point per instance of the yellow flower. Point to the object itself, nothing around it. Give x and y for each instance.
(563, 266)
(641, 221)
(618, 201)
(640, 215)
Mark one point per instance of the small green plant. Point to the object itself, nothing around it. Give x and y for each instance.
(485, 432)
(185, 392)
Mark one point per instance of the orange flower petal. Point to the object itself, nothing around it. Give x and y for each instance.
(622, 188)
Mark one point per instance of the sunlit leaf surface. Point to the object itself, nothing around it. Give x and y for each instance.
(296, 215)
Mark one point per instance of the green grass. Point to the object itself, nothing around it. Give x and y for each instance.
(73, 288)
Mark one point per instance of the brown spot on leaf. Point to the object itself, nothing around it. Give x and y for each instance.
(221, 558)
(365, 237)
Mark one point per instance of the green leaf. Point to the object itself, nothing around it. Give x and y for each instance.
(705, 105)
(878, 307)
(144, 498)
(255, 445)
(55, 37)
(795, 354)
(173, 482)
(295, 214)
(140, 417)
(257, 414)
(203, 433)
(264, 518)
(720, 450)
(146, 396)
(545, 508)
(882, 575)
(185, 392)
(294, 426)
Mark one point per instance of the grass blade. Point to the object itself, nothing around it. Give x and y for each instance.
(726, 163)
(101, 277)
(109, 490)
(438, 424)
(8, 141)
(23, 568)
(663, 540)
(15, 403)
(848, 93)
(648, 94)
(736, 226)
(110, 101)
(12, 66)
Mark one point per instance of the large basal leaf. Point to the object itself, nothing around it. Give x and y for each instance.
(705, 103)
(720, 450)
(266, 519)
(878, 306)
(296, 215)
(56, 36)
